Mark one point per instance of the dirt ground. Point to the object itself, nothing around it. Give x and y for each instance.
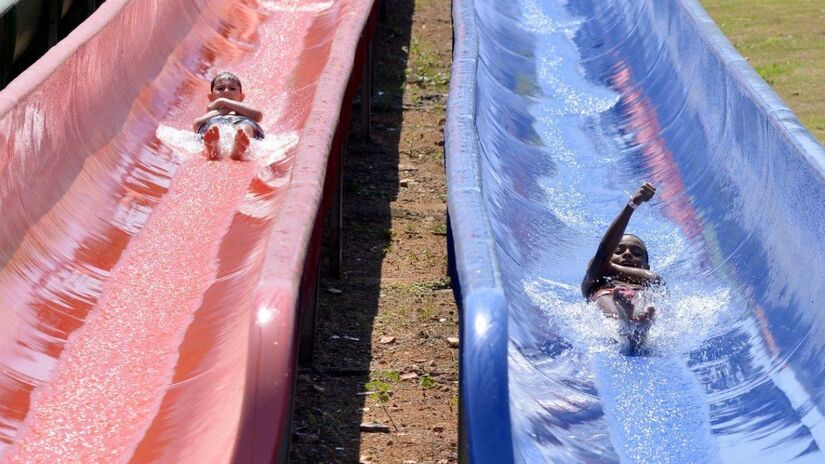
(383, 387)
(382, 355)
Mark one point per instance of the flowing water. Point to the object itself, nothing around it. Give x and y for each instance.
(128, 261)
(568, 129)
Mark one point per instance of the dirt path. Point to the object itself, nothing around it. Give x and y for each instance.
(384, 353)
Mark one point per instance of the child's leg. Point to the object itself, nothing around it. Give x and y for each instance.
(242, 136)
(211, 140)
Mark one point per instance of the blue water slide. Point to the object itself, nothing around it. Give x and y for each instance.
(558, 110)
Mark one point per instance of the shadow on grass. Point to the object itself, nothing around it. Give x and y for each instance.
(330, 396)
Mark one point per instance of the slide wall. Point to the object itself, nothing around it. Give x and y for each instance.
(558, 111)
(149, 297)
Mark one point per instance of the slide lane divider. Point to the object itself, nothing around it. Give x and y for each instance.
(484, 410)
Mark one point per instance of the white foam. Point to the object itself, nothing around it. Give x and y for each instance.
(187, 144)
(298, 5)
(273, 148)
(537, 21)
(29, 138)
(184, 144)
(685, 319)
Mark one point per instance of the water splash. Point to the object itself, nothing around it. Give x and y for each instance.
(186, 145)
(684, 321)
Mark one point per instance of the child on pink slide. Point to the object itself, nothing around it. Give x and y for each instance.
(226, 107)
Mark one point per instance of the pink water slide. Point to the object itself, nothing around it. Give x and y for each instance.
(148, 297)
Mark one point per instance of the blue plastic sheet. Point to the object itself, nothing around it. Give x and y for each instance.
(557, 111)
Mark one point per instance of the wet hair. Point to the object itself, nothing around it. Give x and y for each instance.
(225, 75)
(644, 247)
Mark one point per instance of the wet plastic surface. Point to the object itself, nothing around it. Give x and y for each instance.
(149, 296)
(557, 111)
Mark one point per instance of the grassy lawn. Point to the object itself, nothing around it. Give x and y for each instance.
(784, 40)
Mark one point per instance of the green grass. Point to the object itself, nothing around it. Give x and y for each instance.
(380, 390)
(426, 312)
(778, 71)
(784, 40)
(428, 286)
(421, 4)
(427, 382)
(426, 67)
(389, 376)
(380, 385)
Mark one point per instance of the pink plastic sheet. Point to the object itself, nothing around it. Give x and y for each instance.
(149, 296)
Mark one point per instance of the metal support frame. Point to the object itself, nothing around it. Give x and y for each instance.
(91, 6)
(51, 28)
(366, 90)
(308, 314)
(54, 11)
(8, 39)
(335, 240)
(308, 296)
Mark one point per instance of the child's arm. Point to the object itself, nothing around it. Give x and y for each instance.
(198, 122)
(600, 266)
(238, 107)
(636, 275)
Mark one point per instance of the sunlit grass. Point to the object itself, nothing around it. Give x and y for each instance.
(784, 40)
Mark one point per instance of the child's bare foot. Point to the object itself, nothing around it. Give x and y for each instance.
(211, 140)
(240, 145)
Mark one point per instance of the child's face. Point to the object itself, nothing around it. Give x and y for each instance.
(226, 88)
(630, 252)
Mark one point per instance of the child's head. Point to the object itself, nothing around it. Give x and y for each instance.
(226, 85)
(631, 252)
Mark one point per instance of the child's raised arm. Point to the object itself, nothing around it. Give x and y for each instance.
(600, 266)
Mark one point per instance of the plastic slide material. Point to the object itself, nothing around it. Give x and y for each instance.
(558, 110)
(148, 296)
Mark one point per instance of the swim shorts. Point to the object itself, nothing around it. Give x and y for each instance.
(235, 121)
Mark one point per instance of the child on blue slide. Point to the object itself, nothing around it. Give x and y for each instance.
(226, 107)
(619, 275)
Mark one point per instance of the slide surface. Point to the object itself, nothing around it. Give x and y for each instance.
(149, 297)
(558, 111)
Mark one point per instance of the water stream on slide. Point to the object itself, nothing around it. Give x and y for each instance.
(127, 275)
(567, 132)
